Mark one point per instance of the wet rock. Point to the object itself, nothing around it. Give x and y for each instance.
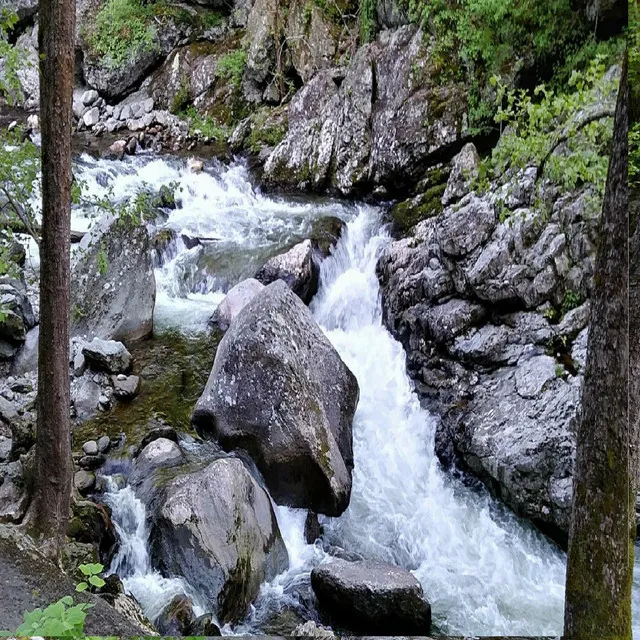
(279, 390)
(204, 626)
(310, 629)
(91, 463)
(312, 528)
(464, 169)
(325, 234)
(372, 597)
(195, 166)
(160, 452)
(91, 523)
(84, 481)
(216, 528)
(107, 355)
(235, 300)
(126, 388)
(296, 268)
(117, 149)
(117, 303)
(176, 618)
(166, 432)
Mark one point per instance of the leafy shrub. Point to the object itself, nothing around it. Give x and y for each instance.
(566, 135)
(122, 30)
(207, 126)
(231, 66)
(367, 20)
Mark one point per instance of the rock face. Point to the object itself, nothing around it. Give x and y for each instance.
(113, 284)
(236, 299)
(279, 390)
(215, 526)
(296, 268)
(17, 317)
(372, 597)
(384, 128)
(483, 304)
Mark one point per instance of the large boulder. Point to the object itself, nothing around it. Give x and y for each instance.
(296, 268)
(372, 598)
(214, 526)
(279, 390)
(107, 355)
(113, 289)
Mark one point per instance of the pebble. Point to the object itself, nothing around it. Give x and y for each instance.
(103, 444)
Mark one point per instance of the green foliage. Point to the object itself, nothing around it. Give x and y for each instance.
(572, 300)
(91, 570)
(561, 133)
(367, 20)
(122, 30)
(103, 265)
(231, 66)
(181, 98)
(11, 57)
(474, 40)
(206, 125)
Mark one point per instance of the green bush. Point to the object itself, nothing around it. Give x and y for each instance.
(122, 30)
(566, 135)
(231, 66)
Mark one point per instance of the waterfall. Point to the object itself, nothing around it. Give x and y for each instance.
(483, 570)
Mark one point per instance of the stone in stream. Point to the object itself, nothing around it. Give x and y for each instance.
(103, 444)
(107, 355)
(372, 598)
(279, 390)
(176, 618)
(158, 453)
(214, 526)
(84, 481)
(113, 288)
(296, 268)
(235, 300)
(90, 448)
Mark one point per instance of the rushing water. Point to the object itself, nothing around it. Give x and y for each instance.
(483, 570)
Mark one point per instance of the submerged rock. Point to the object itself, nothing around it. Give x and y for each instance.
(215, 526)
(279, 390)
(372, 598)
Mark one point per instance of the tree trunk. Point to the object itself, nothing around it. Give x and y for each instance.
(53, 465)
(602, 534)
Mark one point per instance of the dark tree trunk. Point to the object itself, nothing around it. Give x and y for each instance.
(53, 465)
(602, 534)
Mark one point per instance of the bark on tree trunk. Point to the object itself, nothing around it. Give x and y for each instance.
(53, 465)
(602, 534)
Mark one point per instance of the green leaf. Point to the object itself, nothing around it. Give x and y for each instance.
(68, 600)
(81, 586)
(96, 581)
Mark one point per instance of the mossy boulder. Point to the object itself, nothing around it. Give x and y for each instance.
(279, 390)
(407, 214)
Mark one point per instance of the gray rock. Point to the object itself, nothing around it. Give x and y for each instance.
(176, 618)
(18, 316)
(79, 364)
(84, 481)
(127, 388)
(235, 300)
(158, 453)
(8, 411)
(464, 169)
(391, 14)
(27, 357)
(372, 597)
(296, 268)
(89, 97)
(91, 117)
(104, 443)
(90, 448)
(279, 389)
(534, 374)
(216, 528)
(91, 463)
(107, 355)
(461, 229)
(117, 304)
(14, 498)
(85, 394)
